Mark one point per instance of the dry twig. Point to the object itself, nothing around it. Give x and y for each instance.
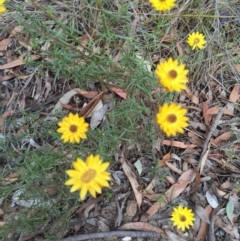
(213, 127)
(138, 234)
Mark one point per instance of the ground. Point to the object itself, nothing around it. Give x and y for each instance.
(100, 57)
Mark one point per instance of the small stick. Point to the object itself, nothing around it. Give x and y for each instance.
(138, 234)
(212, 129)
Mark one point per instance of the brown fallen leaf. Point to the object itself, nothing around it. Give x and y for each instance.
(180, 49)
(4, 43)
(207, 118)
(197, 177)
(168, 38)
(178, 144)
(234, 94)
(87, 109)
(149, 188)
(215, 110)
(65, 99)
(87, 94)
(173, 192)
(237, 66)
(6, 77)
(203, 230)
(204, 158)
(223, 137)
(12, 64)
(172, 167)
(132, 179)
(165, 158)
(225, 164)
(226, 227)
(142, 227)
(119, 91)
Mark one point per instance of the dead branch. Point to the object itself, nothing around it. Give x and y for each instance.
(137, 234)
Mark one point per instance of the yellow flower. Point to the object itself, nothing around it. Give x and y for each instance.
(171, 119)
(182, 217)
(2, 8)
(172, 75)
(73, 128)
(89, 176)
(162, 5)
(196, 40)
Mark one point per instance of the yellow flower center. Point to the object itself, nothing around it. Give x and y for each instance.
(182, 218)
(196, 40)
(88, 176)
(172, 118)
(73, 128)
(172, 73)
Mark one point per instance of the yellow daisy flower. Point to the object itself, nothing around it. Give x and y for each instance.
(172, 75)
(196, 40)
(73, 128)
(89, 176)
(171, 119)
(2, 8)
(182, 217)
(162, 5)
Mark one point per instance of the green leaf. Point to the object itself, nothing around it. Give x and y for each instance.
(229, 210)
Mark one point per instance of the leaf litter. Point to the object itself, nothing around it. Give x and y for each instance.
(204, 103)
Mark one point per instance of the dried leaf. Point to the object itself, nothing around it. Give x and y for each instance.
(149, 188)
(98, 106)
(195, 99)
(12, 64)
(212, 199)
(141, 226)
(6, 77)
(172, 167)
(201, 213)
(4, 43)
(234, 94)
(226, 227)
(132, 179)
(87, 110)
(97, 116)
(165, 158)
(237, 66)
(207, 118)
(178, 144)
(64, 100)
(180, 49)
(225, 164)
(204, 158)
(203, 230)
(223, 137)
(16, 31)
(48, 88)
(226, 184)
(131, 209)
(215, 110)
(87, 94)
(121, 92)
(174, 191)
